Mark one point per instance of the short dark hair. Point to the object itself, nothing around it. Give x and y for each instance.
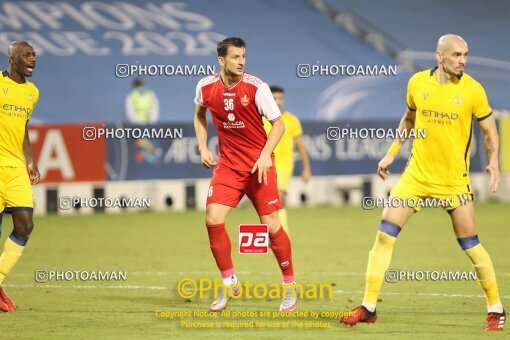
(223, 45)
(276, 88)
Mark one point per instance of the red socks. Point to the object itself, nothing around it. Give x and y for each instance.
(221, 248)
(282, 250)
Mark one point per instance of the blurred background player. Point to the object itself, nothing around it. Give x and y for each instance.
(444, 101)
(17, 102)
(142, 105)
(237, 100)
(284, 151)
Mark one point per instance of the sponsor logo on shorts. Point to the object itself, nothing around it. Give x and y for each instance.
(273, 201)
(210, 191)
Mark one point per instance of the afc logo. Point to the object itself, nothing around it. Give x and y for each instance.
(253, 239)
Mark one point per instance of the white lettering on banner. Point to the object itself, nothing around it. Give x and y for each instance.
(54, 155)
(318, 147)
(185, 150)
(357, 149)
(105, 25)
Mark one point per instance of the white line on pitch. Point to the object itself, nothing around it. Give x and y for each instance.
(42, 285)
(239, 273)
(168, 288)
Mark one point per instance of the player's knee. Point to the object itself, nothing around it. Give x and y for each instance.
(213, 220)
(272, 219)
(24, 229)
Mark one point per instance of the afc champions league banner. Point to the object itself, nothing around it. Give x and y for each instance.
(170, 151)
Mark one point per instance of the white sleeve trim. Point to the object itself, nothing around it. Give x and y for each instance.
(198, 95)
(265, 103)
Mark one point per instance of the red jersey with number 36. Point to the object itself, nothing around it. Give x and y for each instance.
(237, 114)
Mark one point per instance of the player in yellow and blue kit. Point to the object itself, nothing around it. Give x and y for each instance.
(444, 102)
(284, 151)
(18, 168)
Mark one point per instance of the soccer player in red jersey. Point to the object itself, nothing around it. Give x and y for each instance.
(237, 101)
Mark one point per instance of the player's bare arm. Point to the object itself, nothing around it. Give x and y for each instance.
(200, 122)
(305, 160)
(490, 133)
(264, 163)
(406, 124)
(33, 171)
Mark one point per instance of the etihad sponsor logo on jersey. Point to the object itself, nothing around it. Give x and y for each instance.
(17, 111)
(12, 107)
(441, 115)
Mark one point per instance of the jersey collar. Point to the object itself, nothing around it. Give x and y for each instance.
(231, 87)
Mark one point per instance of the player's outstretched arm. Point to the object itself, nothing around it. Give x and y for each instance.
(33, 171)
(406, 125)
(200, 122)
(303, 154)
(490, 133)
(264, 163)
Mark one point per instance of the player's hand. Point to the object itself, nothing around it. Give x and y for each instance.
(33, 173)
(263, 164)
(495, 177)
(306, 175)
(207, 159)
(382, 167)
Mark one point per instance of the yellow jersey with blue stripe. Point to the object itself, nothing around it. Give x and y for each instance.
(446, 113)
(17, 102)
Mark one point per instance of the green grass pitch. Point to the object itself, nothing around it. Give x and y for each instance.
(330, 245)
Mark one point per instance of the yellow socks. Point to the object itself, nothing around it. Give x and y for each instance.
(483, 267)
(379, 260)
(13, 249)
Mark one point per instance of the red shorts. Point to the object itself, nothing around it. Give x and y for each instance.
(228, 186)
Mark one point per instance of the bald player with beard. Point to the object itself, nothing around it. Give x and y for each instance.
(18, 168)
(444, 101)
